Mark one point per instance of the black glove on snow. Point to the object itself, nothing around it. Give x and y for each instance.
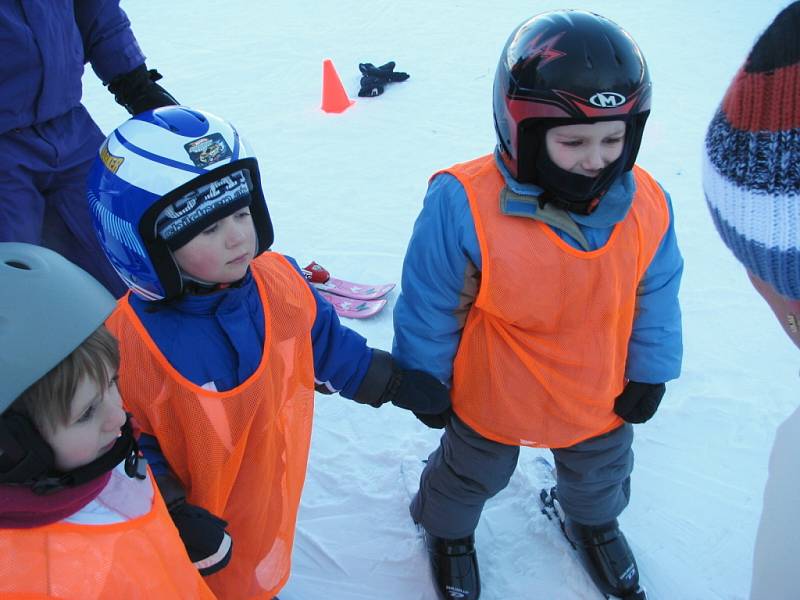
(639, 401)
(385, 72)
(371, 86)
(417, 391)
(375, 78)
(207, 543)
(138, 92)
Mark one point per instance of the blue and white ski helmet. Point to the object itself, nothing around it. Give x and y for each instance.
(155, 160)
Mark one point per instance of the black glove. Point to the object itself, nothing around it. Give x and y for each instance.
(439, 421)
(371, 86)
(375, 78)
(417, 391)
(138, 92)
(639, 401)
(207, 543)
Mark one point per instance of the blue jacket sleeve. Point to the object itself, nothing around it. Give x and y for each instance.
(341, 356)
(108, 42)
(440, 279)
(655, 348)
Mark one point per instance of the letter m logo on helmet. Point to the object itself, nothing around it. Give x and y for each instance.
(607, 100)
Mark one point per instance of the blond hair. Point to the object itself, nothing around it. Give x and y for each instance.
(48, 402)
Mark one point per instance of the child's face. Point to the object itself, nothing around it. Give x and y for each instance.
(94, 424)
(585, 149)
(222, 252)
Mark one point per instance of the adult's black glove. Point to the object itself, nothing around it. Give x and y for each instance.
(639, 401)
(417, 391)
(203, 535)
(138, 92)
(374, 79)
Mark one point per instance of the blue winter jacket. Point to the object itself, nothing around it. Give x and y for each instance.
(219, 338)
(442, 267)
(45, 44)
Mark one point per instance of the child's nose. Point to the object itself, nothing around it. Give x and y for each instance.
(115, 419)
(115, 415)
(236, 236)
(594, 159)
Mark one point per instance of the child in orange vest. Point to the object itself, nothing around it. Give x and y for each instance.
(80, 515)
(541, 282)
(224, 342)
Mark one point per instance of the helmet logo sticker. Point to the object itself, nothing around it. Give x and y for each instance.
(208, 150)
(112, 163)
(607, 100)
(542, 50)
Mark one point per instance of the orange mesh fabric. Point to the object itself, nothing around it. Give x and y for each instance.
(542, 355)
(241, 454)
(138, 559)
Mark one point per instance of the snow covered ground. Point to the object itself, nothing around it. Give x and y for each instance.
(344, 190)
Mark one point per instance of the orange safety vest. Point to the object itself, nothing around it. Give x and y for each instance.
(138, 559)
(543, 351)
(241, 453)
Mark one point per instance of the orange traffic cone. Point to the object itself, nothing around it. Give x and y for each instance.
(334, 98)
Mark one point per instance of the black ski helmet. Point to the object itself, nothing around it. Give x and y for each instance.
(564, 67)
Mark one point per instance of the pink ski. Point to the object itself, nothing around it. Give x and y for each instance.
(353, 308)
(357, 291)
(322, 280)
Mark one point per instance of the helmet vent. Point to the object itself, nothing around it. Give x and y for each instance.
(18, 265)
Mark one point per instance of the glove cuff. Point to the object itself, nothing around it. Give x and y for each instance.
(137, 90)
(380, 381)
(217, 561)
(125, 84)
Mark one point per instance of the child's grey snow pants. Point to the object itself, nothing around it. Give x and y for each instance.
(468, 469)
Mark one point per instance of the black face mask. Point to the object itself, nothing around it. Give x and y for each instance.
(573, 192)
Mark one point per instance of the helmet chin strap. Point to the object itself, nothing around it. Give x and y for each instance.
(196, 282)
(204, 287)
(35, 462)
(124, 449)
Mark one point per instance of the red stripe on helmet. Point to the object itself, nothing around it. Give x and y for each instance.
(566, 105)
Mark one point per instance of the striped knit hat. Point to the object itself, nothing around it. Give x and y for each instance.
(751, 168)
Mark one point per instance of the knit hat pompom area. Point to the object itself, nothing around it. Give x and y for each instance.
(751, 167)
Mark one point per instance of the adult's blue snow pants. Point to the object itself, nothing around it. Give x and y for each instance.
(43, 171)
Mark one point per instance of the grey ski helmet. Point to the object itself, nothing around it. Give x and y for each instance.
(48, 307)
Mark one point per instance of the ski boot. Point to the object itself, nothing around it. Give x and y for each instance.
(607, 558)
(455, 567)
